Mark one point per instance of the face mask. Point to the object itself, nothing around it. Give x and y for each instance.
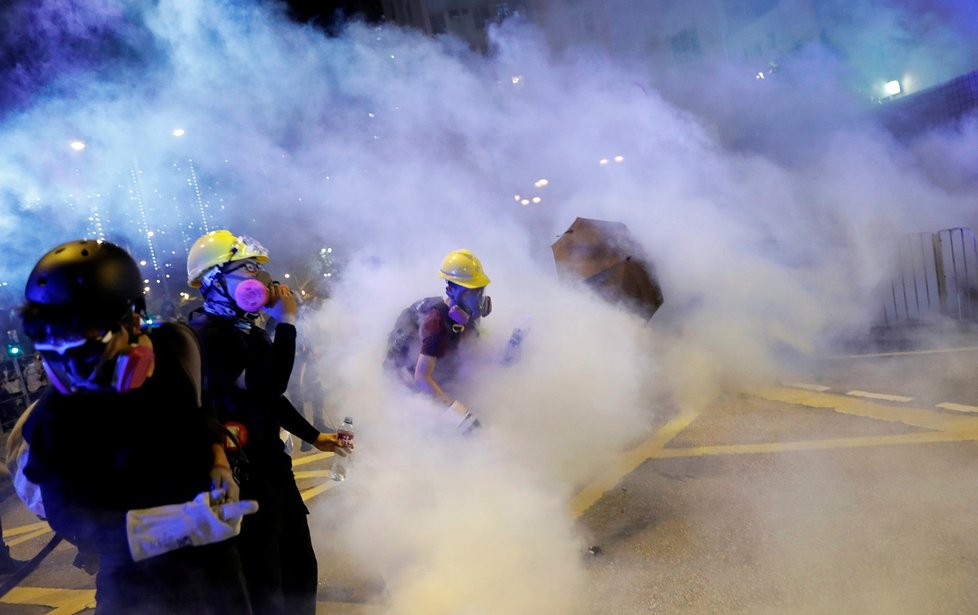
(458, 315)
(251, 295)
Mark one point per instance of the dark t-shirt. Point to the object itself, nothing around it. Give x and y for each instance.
(436, 334)
(425, 328)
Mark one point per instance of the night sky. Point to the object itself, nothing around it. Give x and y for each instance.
(325, 13)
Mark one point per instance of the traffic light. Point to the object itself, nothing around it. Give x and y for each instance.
(13, 344)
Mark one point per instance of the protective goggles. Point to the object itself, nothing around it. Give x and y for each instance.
(74, 363)
(248, 265)
(247, 246)
(83, 349)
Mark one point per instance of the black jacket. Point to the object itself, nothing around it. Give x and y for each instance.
(228, 352)
(96, 456)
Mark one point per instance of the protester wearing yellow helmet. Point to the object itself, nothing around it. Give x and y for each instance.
(423, 346)
(221, 248)
(247, 372)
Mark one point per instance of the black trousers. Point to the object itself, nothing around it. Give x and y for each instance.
(207, 580)
(276, 549)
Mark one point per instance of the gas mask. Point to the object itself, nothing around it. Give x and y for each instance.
(80, 364)
(252, 294)
(467, 304)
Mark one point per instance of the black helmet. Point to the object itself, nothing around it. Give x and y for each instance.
(87, 277)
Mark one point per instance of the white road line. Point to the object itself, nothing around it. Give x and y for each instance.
(882, 396)
(808, 387)
(904, 353)
(958, 407)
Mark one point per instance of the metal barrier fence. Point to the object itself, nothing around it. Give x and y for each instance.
(937, 279)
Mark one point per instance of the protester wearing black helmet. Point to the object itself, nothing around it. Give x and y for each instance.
(127, 461)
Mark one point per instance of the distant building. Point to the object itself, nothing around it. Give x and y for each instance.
(909, 78)
(467, 20)
(757, 32)
(941, 104)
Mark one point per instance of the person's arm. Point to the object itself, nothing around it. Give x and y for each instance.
(425, 382)
(292, 420)
(269, 372)
(269, 368)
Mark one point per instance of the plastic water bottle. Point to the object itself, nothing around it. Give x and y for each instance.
(345, 436)
(513, 351)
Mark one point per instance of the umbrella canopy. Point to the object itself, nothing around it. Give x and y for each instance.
(604, 256)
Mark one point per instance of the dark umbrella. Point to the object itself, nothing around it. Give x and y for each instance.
(604, 256)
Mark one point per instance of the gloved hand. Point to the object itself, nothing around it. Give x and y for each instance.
(158, 530)
(330, 443)
(222, 478)
(466, 422)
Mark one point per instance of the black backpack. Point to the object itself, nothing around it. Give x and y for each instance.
(406, 332)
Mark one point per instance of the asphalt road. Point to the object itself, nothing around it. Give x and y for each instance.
(848, 490)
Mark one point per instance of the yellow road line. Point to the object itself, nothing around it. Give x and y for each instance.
(24, 529)
(73, 601)
(312, 474)
(312, 492)
(592, 492)
(300, 461)
(944, 429)
(812, 445)
(64, 601)
(26, 537)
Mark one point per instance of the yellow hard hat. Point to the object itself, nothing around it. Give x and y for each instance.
(219, 248)
(464, 269)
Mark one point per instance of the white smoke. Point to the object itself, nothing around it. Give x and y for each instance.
(768, 209)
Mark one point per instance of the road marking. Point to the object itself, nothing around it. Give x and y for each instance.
(312, 492)
(880, 396)
(941, 428)
(74, 601)
(64, 601)
(312, 474)
(812, 445)
(310, 458)
(958, 407)
(25, 529)
(808, 387)
(630, 460)
(804, 385)
(905, 353)
(924, 418)
(27, 537)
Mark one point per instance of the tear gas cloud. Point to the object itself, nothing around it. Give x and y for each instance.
(767, 209)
